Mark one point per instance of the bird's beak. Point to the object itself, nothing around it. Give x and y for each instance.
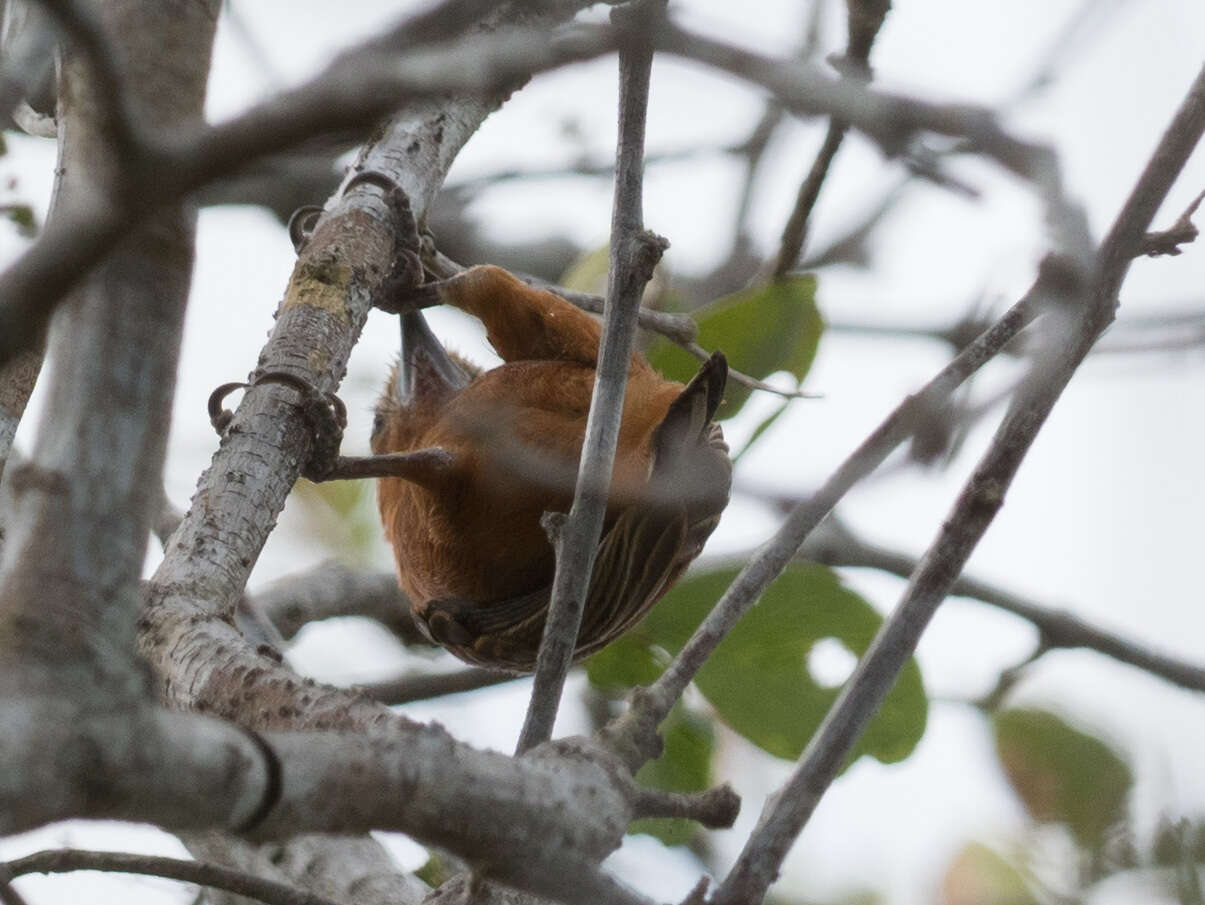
(425, 371)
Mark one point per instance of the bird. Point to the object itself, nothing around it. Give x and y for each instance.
(486, 453)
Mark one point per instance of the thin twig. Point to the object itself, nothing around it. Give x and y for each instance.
(9, 895)
(774, 556)
(332, 589)
(355, 92)
(634, 254)
(633, 734)
(865, 19)
(744, 379)
(851, 247)
(211, 875)
(677, 328)
(894, 121)
(772, 116)
(591, 168)
(795, 232)
(980, 500)
(834, 544)
(1071, 40)
(424, 686)
(680, 329)
(1168, 241)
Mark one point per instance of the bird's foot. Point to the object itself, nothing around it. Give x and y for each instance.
(302, 223)
(324, 412)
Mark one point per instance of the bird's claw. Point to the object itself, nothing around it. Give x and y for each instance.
(325, 413)
(302, 223)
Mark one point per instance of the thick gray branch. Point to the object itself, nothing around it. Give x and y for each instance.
(357, 90)
(85, 503)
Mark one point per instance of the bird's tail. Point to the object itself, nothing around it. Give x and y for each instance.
(688, 422)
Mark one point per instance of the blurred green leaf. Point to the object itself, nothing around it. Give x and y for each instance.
(758, 678)
(436, 871)
(775, 327)
(684, 766)
(980, 876)
(589, 272)
(629, 661)
(1061, 774)
(758, 431)
(342, 515)
(23, 216)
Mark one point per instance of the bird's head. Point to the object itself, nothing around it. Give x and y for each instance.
(425, 377)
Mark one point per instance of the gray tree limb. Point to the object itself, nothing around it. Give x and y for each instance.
(1081, 315)
(634, 254)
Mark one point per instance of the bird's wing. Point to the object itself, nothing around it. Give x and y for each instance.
(634, 566)
(635, 563)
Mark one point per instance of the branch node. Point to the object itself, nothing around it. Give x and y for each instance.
(647, 249)
(715, 809)
(553, 523)
(1168, 241)
(633, 736)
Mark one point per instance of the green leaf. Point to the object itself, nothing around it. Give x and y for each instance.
(684, 766)
(758, 678)
(343, 515)
(436, 871)
(1061, 774)
(629, 661)
(589, 272)
(775, 327)
(23, 216)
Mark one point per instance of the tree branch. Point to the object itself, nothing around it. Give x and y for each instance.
(333, 589)
(359, 88)
(201, 663)
(1077, 326)
(634, 254)
(211, 875)
(8, 895)
(86, 500)
(865, 19)
(893, 121)
(629, 733)
(835, 545)
(1168, 241)
(424, 686)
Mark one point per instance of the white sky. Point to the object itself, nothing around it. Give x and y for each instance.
(1103, 519)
